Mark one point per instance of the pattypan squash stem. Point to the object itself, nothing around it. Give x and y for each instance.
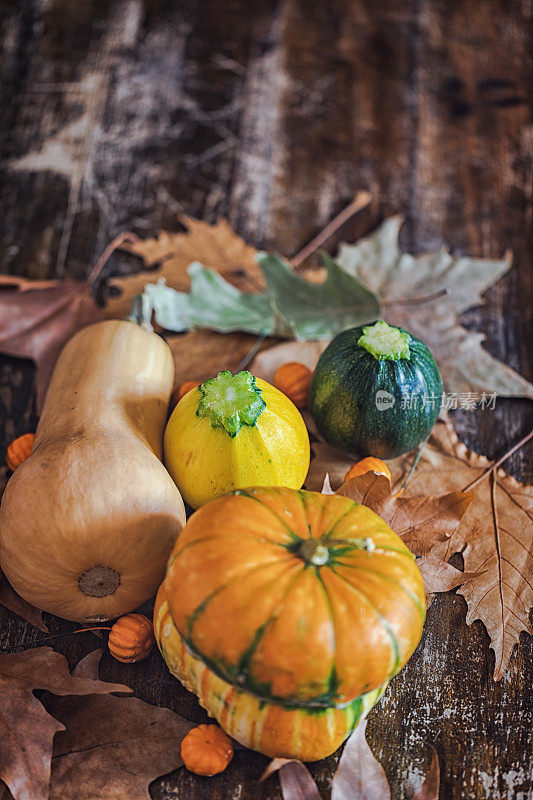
(231, 401)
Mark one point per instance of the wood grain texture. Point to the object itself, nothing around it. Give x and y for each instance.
(121, 114)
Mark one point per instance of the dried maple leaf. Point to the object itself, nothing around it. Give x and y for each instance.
(38, 317)
(112, 746)
(10, 599)
(26, 729)
(422, 521)
(495, 534)
(425, 294)
(170, 254)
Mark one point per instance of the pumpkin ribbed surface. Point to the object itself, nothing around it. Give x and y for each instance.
(270, 728)
(131, 638)
(299, 598)
(19, 450)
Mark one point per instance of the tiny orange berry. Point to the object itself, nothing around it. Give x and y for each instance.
(19, 450)
(206, 750)
(131, 638)
(369, 464)
(293, 379)
(181, 391)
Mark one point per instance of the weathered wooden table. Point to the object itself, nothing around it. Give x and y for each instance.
(123, 113)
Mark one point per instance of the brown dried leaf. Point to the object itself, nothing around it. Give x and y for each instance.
(296, 781)
(201, 354)
(430, 788)
(112, 746)
(170, 254)
(10, 599)
(495, 533)
(26, 729)
(37, 319)
(359, 776)
(439, 575)
(495, 536)
(421, 521)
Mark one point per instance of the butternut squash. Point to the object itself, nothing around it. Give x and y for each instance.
(88, 521)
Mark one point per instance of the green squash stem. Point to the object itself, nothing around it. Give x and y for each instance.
(231, 401)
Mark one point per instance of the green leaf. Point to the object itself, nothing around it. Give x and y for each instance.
(317, 310)
(292, 307)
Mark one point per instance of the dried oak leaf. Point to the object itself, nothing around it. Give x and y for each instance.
(112, 746)
(170, 254)
(26, 728)
(38, 317)
(14, 602)
(422, 521)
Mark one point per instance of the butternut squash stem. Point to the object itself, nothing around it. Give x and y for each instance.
(53, 636)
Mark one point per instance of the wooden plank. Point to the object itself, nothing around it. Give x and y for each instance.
(122, 114)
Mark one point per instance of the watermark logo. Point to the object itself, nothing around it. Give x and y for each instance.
(384, 400)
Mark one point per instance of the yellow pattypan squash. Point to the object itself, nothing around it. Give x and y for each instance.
(231, 432)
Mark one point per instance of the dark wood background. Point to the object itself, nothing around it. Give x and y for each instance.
(120, 114)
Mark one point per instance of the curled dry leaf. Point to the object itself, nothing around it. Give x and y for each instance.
(296, 781)
(359, 776)
(26, 729)
(112, 746)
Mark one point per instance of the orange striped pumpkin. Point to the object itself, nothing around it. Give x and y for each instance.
(19, 450)
(287, 612)
(131, 638)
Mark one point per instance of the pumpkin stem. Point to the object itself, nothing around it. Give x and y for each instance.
(385, 342)
(314, 552)
(231, 401)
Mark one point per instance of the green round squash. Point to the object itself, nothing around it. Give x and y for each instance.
(376, 390)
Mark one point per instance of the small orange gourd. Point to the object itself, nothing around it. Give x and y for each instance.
(19, 450)
(131, 638)
(369, 464)
(181, 391)
(206, 750)
(293, 379)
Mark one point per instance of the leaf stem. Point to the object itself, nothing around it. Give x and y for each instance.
(125, 236)
(30, 645)
(417, 301)
(360, 201)
(495, 466)
(414, 465)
